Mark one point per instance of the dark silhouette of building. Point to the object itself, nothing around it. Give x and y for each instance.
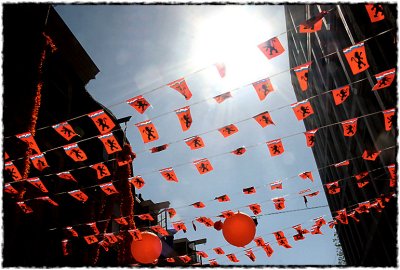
(372, 240)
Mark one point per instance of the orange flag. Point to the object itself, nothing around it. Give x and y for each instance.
(74, 152)
(213, 262)
(264, 119)
(310, 137)
(342, 216)
(136, 234)
(375, 12)
(102, 121)
(24, 207)
(185, 258)
(370, 155)
(93, 226)
(10, 189)
(203, 165)
(302, 109)
(263, 88)
(160, 230)
(392, 171)
(101, 170)
(198, 205)
(146, 217)
(65, 130)
(319, 221)
(343, 163)
(226, 214)
(47, 199)
(29, 140)
(195, 142)
(333, 188)
(181, 86)
(110, 237)
(219, 251)
(341, 94)
(37, 183)
(388, 116)
(249, 190)
(185, 118)
(279, 203)
(302, 75)
(271, 48)
(384, 79)
(79, 195)
(352, 214)
(169, 174)
(160, 148)
(139, 103)
(250, 254)
(305, 175)
(148, 131)
(71, 231)
(313, 194)
(223, 198)
(171, 212)
(363, 207)
(108, 188)
(90, 239)
(259, 241)
(275, 147)
(276, 185)
(228, 130)
(356, 58)
(137, 181)
(313, 24)
(64, 245)
(66, 176)
(332, 223)
(202, 254)
(361, 175)
(221, 69)
(12, 171)
(349, 127)
(110, 143)
(239, 151)
(39, 162)
(316, 230)
(121, 221)
(362, 182)
(232, 257)
(179, 225)
(221, 98)
(255, 208)
(268, 249)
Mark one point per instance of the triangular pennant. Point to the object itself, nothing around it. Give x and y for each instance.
(66, 176)
(264, 119)
(255, 208)
(160, 148)
(375, 12)
(221, 69)
(181, 86)
(101, 170)
(263, 88)
(198, 205)
(384, 79)
(307, 175)
(146, 217)
(388, 116)
(202, 254)
(228, 130)
(239, 151)
(271, 48)
(310, 137)
(121, 221)
(8, 188)
(30, 141)
(39, 162)
(148, 131)
(221, 98)
(24, 207)
(65, 130)
(342, 216)
(160, 230)
(139, 103)
(171, 212)
(102, 121)
(203, 165)
(48, 199)
(110, 143)
(302, 75)
(136, 234)
(232, 257)
(333, 188)
(169, 174)
(219, 251)
(276, 185)
(12, 170)
(223, 198)
(279, 203)
(74, 152)
(91, 239)
(268, 249)
(250, 254)
(349, 127)
(259, 241)
(79, 195)
(137, 181)
(370, 155)
(194, 143)
(185, 258)
(108, 188)
(179, 225)
(249, 190)
(341, 94)
(342, 163)
(185, 118)
(356, 58)
(275, 147)
(37, 183)
(302, 109)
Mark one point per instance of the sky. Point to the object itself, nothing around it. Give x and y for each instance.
(139, 49)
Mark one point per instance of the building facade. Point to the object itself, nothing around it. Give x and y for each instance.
(370, 241)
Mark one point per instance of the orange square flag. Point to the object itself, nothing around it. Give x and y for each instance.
(65, 130)
(74, 152)
(181, 86)
(305, 175)
(302, 109)
(29, 140)
(79, 195)
(313, 24)
(194, 143)
(349, 127)
(264, 119)
(275, 147)
(388, 116)
(271, 48)
(228, 130)
(185, 118)
(341, 94)
(203, 165)
(12, 170)
(169, 174)
(139, 103)
(101, 170)
(148, 131)
(384, 79)
(36, 182)
(39, 162)
(375, 12)
(357, 58)
(137, 181)
(302, 75)
(263, 88)
(108, 188)
(102, 121)
(110, 143)
(310, 137)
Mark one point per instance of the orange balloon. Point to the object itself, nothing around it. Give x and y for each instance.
(148, 249)
(239, 229)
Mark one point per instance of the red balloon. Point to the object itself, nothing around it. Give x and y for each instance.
(239, 229)
(218, 225)
(148, 249)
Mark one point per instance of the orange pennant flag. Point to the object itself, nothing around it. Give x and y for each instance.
(343, 163)
(259, 241)
(302, 75)
(137, 181)
(203, 165)
(356, 58)
(341, 94)
(226, 214)
(74, 152)
(268, 249)
(121, 221)
(332, 223)
(198, 205)
(392, 171)
(66, 176)
(160, 148)
(363, 207)
(181, 86)
(384, 79)
(250, 254)
(71, 231)
(352, 214)
(24, 207)
(313, 194)
(148, 131)
(276, 185)
(110, 143)
(255, 208)
(361, 175)
(305, 175)
(12, 171)
(342, 216)
(279, 235)
(319, 221)
(275, 147)
(136, 234)
(239, 151)
(313, 24)
(139, 103)
(185, 258)
(39, 162)
(169, 174)
(370, 155)
(271, 48)
(333, 188)
(179, 225)
(221, 69)
(302, 109)
(101, 170)
(316, 230)
(213, 262)
(48, 199)
(93, 226)
(202, 254)
(8, 188)
(223, 198)
(219, 251)
(111, 238)
(171, 212)
(108, 188)
(310, 137)
(79, 195)
(228, 130)
(195, 142)
(375, 12)
(221, 98)
(160, 230)
(362, 182)
(170, 260)
(185, 118)
(249, 190)
(232, 257)
(264, 119)
(263, 88)
(279, 203)
(102, 121)
(29, 140)
(349, 127)
(37, 183)
(388, 116)
(90, 239)
(145, 217)
(65, 130)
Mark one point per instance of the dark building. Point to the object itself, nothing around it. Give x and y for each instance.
(372, 240)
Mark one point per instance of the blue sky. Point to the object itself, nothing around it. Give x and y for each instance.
(139, 48)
